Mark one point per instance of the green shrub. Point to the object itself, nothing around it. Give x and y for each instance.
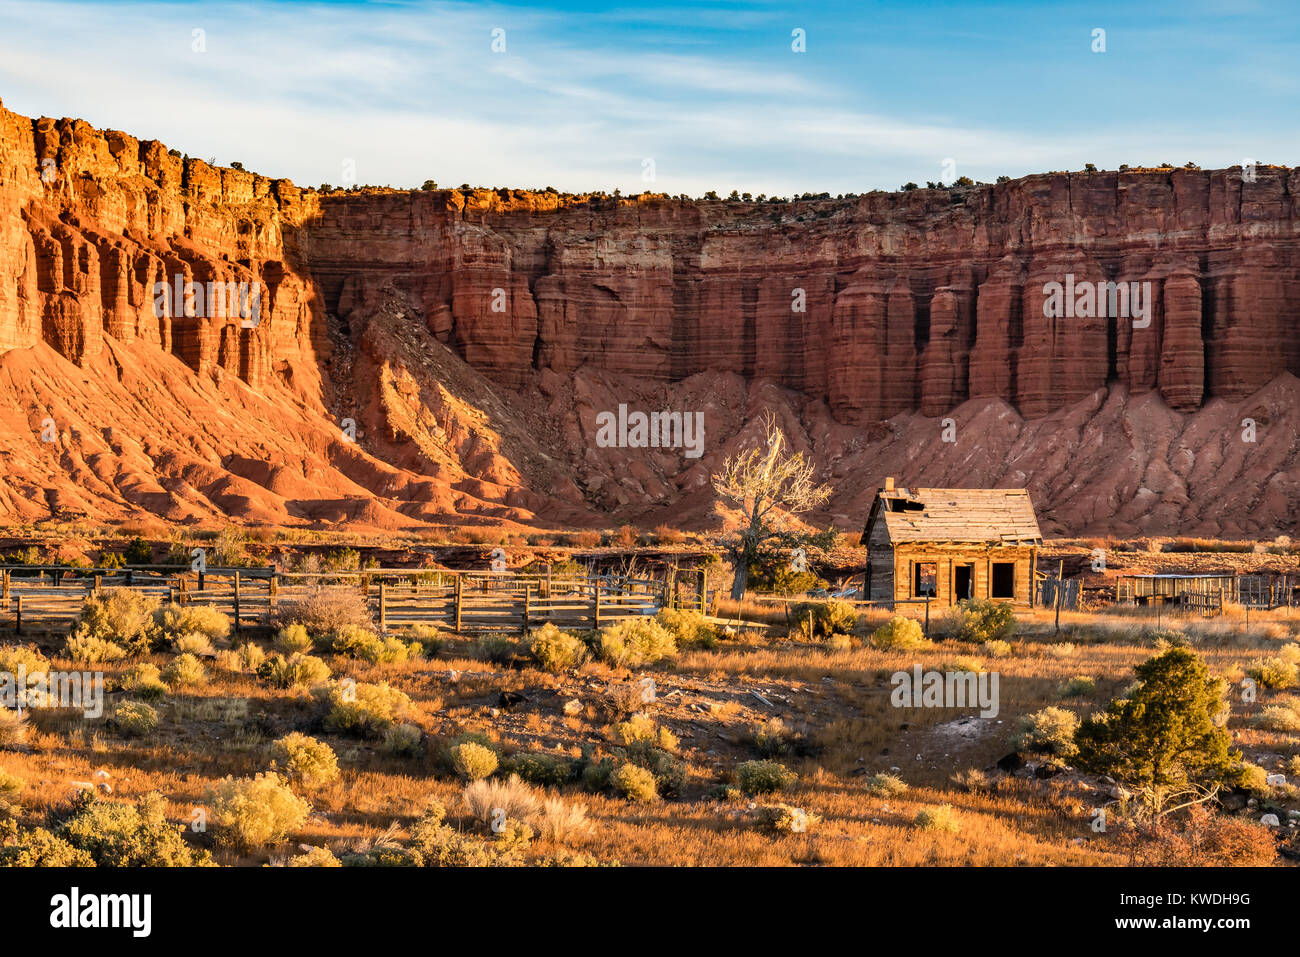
(365, 709)
(642, 727)
(762, 777)
(295, 671)
(996, 648)
(304, 760)
(31, 661)
(121, 616)
(138, 552)
(144, 681)
(689, 629)
(292, 638)
(784, 819)
(838, 644)
(384, 855)
(1274, 672)
(885, 785)
(545, 770)
(314, 857)
(636, 642)
(175, 620)
(473, 761)
(940, 818)
(248, 813)
(363, 643)
(1076, 687)
(92, 650)
(402, 741)
(556, 650)
(11, 790)
(981, 620)
(899, 634)
(1049, 731)
(634, 783)
(192, 643)
(125, 835)
(497, 649)
(324, 609)
(828, 617)
(134, 718)
(40, 848)
(669, 773)
(1283, 716)
(185, 671)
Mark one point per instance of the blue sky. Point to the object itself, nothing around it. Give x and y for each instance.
(585, 94)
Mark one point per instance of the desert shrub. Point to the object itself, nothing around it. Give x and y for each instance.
(443, 846)
(497, 649)
(473, 761)
(556, 650)
(899, 634)
(1282, 716)
(144, 681)
(771, 737)
(596, 774)
(292, 638)
(634, 783)
(963, 663)
(997, 648)
(185, 671)
(430, 639)
(1049, 731)
(828, 617)
(512, 796)
(91, 649)
(363, 643)
(643, 728)
(192, 643)
(762, 777)
(314, 857)
(138, 552)
(14, 658)
(972, 779)
(1274, 672)
(127, 835)
(784, 819)
(938, 818)
(175, 620)
(669, 772)
(982, 620)
(636, 642)
(250, 656)
(305, 761)
(546, 770)
(11, 790)
(1078, 686)
(689, 629)
(13, 728)
(885, 785)
(324, 609)
(1198, 837)
(134, 718)
(248, 813)
(294, 671)
(1293, 766)
(514, 835)
(402, 741)
(562, 822)
(365, 709)
(40, 848)
(384, 855)
(121, 616)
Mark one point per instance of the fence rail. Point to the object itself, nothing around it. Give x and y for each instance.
(49, 598)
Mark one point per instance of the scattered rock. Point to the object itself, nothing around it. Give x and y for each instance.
(1270, 820)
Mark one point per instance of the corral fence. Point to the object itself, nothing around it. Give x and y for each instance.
(49, 598)
(1208, 593)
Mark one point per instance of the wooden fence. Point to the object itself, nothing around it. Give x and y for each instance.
(49, 598)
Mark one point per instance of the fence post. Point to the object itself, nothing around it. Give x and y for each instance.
(18, 615)
(702, 579)
(528, 605)
(272, 590)
(237, 603)
(548, 581)
(5, 587)
(383, 609)
(202, 579)
(596, 586)
(927, 616)
(1060, 586)
(99, 583)
(460, 591)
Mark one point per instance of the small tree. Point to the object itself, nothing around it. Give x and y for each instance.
(765, 482)
(1165, 738)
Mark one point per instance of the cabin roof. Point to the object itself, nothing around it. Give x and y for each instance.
(977, 515)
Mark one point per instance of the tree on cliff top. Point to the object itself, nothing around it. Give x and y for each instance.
(766, 482)
(1165, 738)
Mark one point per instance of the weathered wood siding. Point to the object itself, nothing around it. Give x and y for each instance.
(947, 556)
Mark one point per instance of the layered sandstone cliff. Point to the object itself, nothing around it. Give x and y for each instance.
(473, 335)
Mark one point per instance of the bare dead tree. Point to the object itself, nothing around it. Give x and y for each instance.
(768, 483)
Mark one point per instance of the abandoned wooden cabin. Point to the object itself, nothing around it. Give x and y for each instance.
(947, 544)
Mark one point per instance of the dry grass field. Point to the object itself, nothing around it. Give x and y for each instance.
(821, 709)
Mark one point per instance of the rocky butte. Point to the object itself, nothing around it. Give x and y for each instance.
(474, 337)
